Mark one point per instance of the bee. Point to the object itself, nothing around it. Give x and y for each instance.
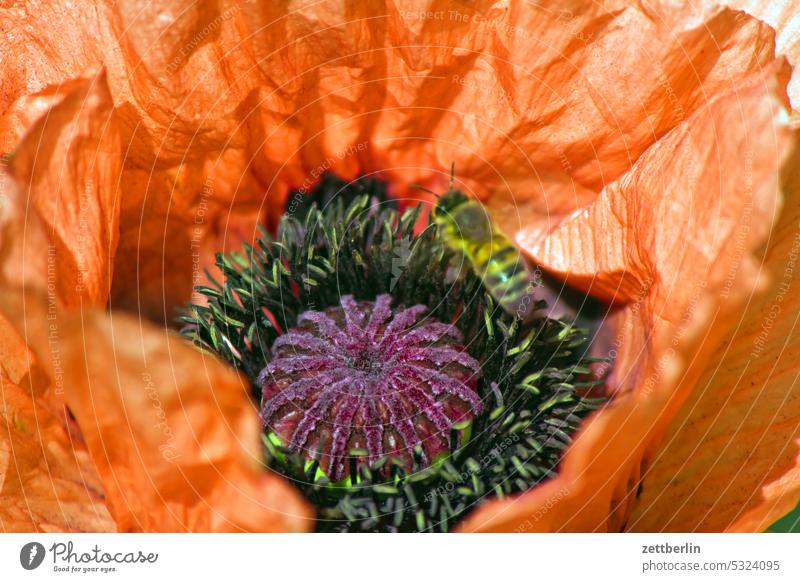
(466, 228)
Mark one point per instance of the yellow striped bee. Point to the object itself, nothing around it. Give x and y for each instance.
(466, 227)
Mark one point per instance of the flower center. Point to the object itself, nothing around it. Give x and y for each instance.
(363, 377)
(368, 362)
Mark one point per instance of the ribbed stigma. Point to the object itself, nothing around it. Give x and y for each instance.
(362, 376)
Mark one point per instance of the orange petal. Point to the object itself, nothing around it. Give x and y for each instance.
(47, 482)
(731, 458)
(61, 225)
(58, 231)
(221, 116)
(784, 17)
(672, 241)
(172, 432)
(502, 91)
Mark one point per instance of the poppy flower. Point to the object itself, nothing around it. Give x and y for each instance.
(639, 155)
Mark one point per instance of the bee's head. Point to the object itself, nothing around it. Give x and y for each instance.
(447, 203)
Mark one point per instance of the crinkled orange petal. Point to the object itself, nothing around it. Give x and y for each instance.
(60, 227)
(601, 468)
(731, 459)
(672, 241)
(784, 17)
(220, 116)
(172, 431)
(47, 482)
